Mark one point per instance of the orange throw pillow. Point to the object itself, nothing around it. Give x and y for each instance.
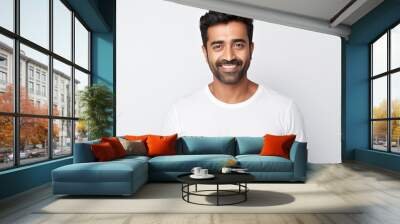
(103, 152)
(135, 138)
(116, 145)
(277, 145)
(161, 145)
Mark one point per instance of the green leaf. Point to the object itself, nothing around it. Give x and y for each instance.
(96, 102)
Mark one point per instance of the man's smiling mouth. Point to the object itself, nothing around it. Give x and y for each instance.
(229, 67)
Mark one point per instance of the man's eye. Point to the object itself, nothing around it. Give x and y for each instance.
(217, 46)
(239, 45)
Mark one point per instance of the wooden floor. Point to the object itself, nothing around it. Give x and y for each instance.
(353, 182)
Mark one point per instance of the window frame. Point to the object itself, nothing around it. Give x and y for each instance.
(388, 74)
(3, 74)
(15, 72)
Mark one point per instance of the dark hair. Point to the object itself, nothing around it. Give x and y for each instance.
(213, 18)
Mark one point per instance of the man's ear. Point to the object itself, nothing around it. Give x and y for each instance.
(205, 53)
(251, 49)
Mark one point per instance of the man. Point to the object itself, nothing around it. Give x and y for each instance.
(232, 105)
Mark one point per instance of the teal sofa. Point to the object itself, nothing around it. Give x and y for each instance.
(125, 176)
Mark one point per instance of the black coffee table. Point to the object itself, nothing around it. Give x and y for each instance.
(239, 179)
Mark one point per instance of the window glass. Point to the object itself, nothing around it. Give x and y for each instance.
(379, 55)
(62, 137)
(379, 97)
(62, 29)
(34, 21)
(81, 82)
(30, 58)
(379, 135)
(81, 45)
(6, 142)
(33, 140)
(395, 136)
(7, 14)
(395, 47)
(35, 91)
(62, 91)
(6, 74)
(81, 131)
(395, 94)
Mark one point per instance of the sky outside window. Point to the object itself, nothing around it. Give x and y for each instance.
(379, 55)
(7, 14)
(81, 45)
(62, 29)
(395, 47)
(35, 21)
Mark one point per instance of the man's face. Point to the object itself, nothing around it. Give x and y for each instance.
(228, 51)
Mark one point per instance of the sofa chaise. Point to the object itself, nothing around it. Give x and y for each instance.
(126, 175)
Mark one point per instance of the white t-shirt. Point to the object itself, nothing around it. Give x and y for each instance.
(265, 112)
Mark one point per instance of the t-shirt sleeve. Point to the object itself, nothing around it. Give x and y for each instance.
(295, 124)
(171, 125)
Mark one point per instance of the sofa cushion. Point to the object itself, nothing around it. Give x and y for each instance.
(103, 152)
(116, 145)
(257, 163)
(131, 158)
(83, 152)
(135, 147)
(136, 137)
(185, 163)
(277, 145)
(195, 145)
(161, 145)
(111, 171)
(249, 145)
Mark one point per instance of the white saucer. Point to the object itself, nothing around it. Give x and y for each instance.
(208, 176)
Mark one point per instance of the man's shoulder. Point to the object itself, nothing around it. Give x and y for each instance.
(276, 97)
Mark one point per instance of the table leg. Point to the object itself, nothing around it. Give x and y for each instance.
(182, 189)
(188, 190)
(245, 193)
(196, 188)
(217, 194)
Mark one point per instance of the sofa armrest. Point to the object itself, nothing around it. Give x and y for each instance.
(83, 152)
(298, 155)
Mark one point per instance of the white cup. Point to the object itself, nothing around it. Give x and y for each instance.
(196, 171)
(226, 170)
(203, 172)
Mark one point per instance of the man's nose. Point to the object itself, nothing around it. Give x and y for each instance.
(229, 54)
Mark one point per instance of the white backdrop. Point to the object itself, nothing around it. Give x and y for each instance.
(159, 60)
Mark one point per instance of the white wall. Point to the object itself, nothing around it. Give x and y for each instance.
(159, 60)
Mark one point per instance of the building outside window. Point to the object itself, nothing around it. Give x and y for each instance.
(3, 78)
(30, 72)
(3, 61)
(30, 87)
(55, 96)
(43, 90)
(3, 72)
(38, 89)
(37, 75)
(44, 77)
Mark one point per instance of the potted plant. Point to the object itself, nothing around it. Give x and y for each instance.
(96, 102)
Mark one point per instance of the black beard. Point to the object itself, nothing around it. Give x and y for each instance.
(237, 76)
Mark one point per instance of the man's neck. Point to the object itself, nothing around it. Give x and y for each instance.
(233, 93)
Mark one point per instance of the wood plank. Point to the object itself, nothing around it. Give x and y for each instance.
(377, 191)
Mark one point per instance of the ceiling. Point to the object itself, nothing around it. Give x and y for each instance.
(326, 16)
